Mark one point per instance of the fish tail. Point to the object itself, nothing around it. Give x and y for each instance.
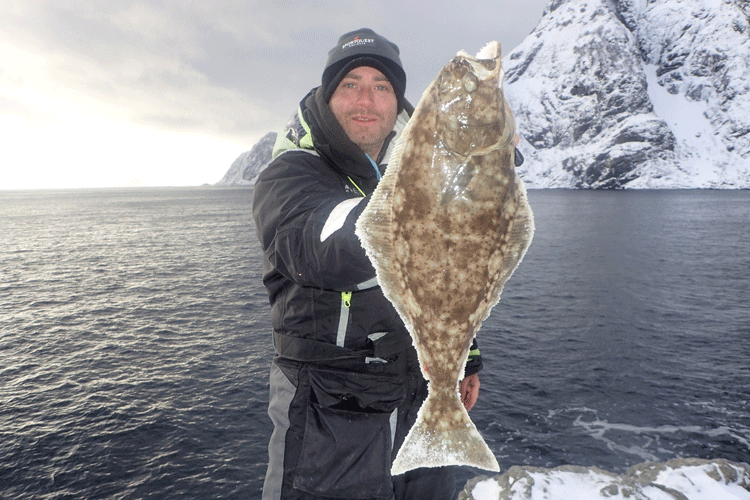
(449, 438)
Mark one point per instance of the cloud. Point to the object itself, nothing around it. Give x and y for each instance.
(222, 70)
(134, 64)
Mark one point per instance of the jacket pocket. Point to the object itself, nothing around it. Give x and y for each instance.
(346, 447)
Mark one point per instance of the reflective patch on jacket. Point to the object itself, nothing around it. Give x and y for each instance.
(337, 217)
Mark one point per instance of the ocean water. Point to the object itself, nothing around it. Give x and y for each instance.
(135, 340)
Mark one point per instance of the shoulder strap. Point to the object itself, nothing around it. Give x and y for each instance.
(295, 135)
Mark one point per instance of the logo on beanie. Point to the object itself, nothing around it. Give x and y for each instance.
(357, 42)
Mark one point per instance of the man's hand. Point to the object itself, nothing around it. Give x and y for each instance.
(468, 389)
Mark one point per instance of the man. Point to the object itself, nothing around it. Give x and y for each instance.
(345, 385)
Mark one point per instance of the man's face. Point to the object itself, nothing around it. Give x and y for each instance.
(365, 105)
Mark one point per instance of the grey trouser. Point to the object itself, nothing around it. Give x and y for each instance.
(325, 445)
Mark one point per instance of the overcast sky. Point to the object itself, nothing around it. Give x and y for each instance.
(168, 93)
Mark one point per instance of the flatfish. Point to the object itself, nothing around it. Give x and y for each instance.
(445, 229)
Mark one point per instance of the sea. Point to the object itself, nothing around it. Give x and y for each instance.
(135, 339)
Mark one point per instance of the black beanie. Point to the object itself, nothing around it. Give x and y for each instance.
(364, 47)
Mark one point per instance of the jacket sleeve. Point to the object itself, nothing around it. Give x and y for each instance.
(474, 363)
(305, 221)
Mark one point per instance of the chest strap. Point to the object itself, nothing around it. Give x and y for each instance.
(378, 347)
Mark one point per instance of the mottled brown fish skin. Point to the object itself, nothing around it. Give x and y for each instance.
(445, 230)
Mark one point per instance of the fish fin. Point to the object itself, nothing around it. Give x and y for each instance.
(461, 444)
(373, 224)
(375, 230)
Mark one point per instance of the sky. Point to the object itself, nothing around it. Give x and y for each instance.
(115, 93)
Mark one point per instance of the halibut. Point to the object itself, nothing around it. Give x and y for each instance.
(446, 227)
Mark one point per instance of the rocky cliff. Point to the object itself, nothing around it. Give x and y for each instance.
(248, 165)
(634, 93)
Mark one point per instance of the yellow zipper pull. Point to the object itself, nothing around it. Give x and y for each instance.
(346, 298)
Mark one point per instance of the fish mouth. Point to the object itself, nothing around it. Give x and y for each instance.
(490, 51)
(486, 64)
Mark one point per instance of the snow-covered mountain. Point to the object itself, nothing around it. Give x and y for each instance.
(248, 165)
(623, 94)
(634, 93)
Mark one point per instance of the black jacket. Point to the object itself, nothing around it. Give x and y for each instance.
(321, 285)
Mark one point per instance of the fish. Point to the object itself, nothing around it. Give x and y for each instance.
(445, 228)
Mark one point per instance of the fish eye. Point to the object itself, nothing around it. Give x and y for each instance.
(470, 82)
(444, 81)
